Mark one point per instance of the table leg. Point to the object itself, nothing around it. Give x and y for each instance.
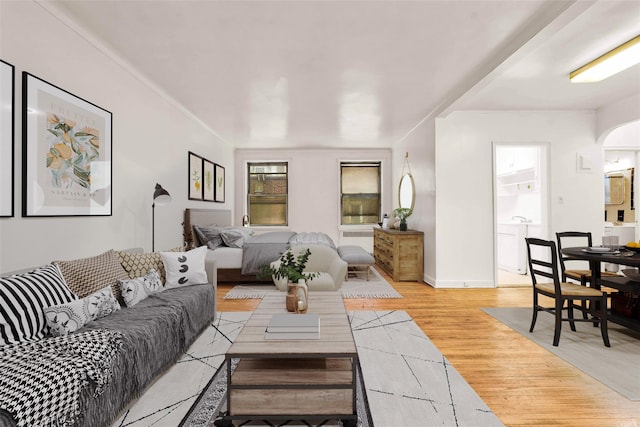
(228, 362)
(596, 283)
(596, 274)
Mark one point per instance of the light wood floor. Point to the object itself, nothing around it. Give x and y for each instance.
(522, 383)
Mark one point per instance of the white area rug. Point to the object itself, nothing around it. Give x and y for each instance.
(617, 366)
(355, 287)
(408, 381)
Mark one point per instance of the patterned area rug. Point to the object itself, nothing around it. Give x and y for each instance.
(616, 366)
(408, 381)
(417, 387)
(355, 287)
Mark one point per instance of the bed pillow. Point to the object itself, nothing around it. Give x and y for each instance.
(135, 290)
(65, 318)
(88, 275)
(209, 235)
(234, 237)
(23, 298)
(185, 268)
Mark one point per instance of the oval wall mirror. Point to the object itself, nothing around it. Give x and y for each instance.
(406, 192)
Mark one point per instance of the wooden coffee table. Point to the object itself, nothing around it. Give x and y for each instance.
(310, 380)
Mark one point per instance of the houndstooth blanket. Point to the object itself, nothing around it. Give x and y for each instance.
(40, 381)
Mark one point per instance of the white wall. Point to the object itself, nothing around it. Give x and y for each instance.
(464, 189)
(151, 137)
(314, 187)
(420, 144)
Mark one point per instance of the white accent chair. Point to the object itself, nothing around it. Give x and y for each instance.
(323, 260)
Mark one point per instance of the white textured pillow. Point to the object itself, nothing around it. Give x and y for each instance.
(185, 268)
(135, 290)
(65, 318)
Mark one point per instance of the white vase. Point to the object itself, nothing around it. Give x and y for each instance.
(303, 296)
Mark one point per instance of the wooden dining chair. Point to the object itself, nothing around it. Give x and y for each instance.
(546, 267)
(583, 276)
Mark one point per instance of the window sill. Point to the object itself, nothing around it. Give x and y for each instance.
(357, 227)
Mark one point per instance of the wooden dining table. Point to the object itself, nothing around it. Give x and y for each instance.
(620, 256)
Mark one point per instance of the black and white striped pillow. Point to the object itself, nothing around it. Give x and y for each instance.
(23, 298)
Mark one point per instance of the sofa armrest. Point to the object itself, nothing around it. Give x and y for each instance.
(338, 270)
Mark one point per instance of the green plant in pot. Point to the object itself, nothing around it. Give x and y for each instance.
(291, 267)
(402, 214)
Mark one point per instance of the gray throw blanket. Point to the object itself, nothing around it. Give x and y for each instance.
(41, 381)
(263, 249)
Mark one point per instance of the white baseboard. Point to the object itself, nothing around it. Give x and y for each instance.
(455, 284)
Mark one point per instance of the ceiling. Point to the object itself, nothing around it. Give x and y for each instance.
(322, 73)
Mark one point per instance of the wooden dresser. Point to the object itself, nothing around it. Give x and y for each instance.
(399, 253)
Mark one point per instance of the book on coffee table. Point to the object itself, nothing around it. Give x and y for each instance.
(307, 322)
(292, 335)
(293, 326)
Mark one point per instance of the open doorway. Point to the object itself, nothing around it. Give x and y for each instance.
(520, 207)
(621, 161)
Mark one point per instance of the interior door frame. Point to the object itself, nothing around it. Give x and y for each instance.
(544, 171)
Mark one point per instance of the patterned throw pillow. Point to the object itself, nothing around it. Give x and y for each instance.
(138, 264)
(22, 300)
(185, 268)
(135, 290)
(69, 317)
(88, 275)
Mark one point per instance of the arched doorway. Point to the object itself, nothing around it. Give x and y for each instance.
(621, 161)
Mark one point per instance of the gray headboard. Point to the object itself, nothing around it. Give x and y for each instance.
(220, 217)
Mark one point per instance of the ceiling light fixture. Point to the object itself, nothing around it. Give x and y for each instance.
(612, 62)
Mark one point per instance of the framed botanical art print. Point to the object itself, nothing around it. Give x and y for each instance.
(7, 105)
(219, 177)
(195, 176)
(66, 149)
(207, 180)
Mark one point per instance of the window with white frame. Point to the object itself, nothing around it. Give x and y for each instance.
(360, 199)
(267, 193)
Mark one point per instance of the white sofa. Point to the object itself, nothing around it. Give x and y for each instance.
(323, 260)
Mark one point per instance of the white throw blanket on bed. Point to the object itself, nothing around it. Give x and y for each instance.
(312, 238)
(41, 381)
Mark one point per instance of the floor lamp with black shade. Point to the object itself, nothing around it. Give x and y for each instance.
(161, 197)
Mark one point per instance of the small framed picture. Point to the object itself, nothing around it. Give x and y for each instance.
(219, 177)
(66, 153)
(7, 103)
(207, 180)
(195, 176)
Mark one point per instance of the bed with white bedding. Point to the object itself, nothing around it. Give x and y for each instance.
(237, 251)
